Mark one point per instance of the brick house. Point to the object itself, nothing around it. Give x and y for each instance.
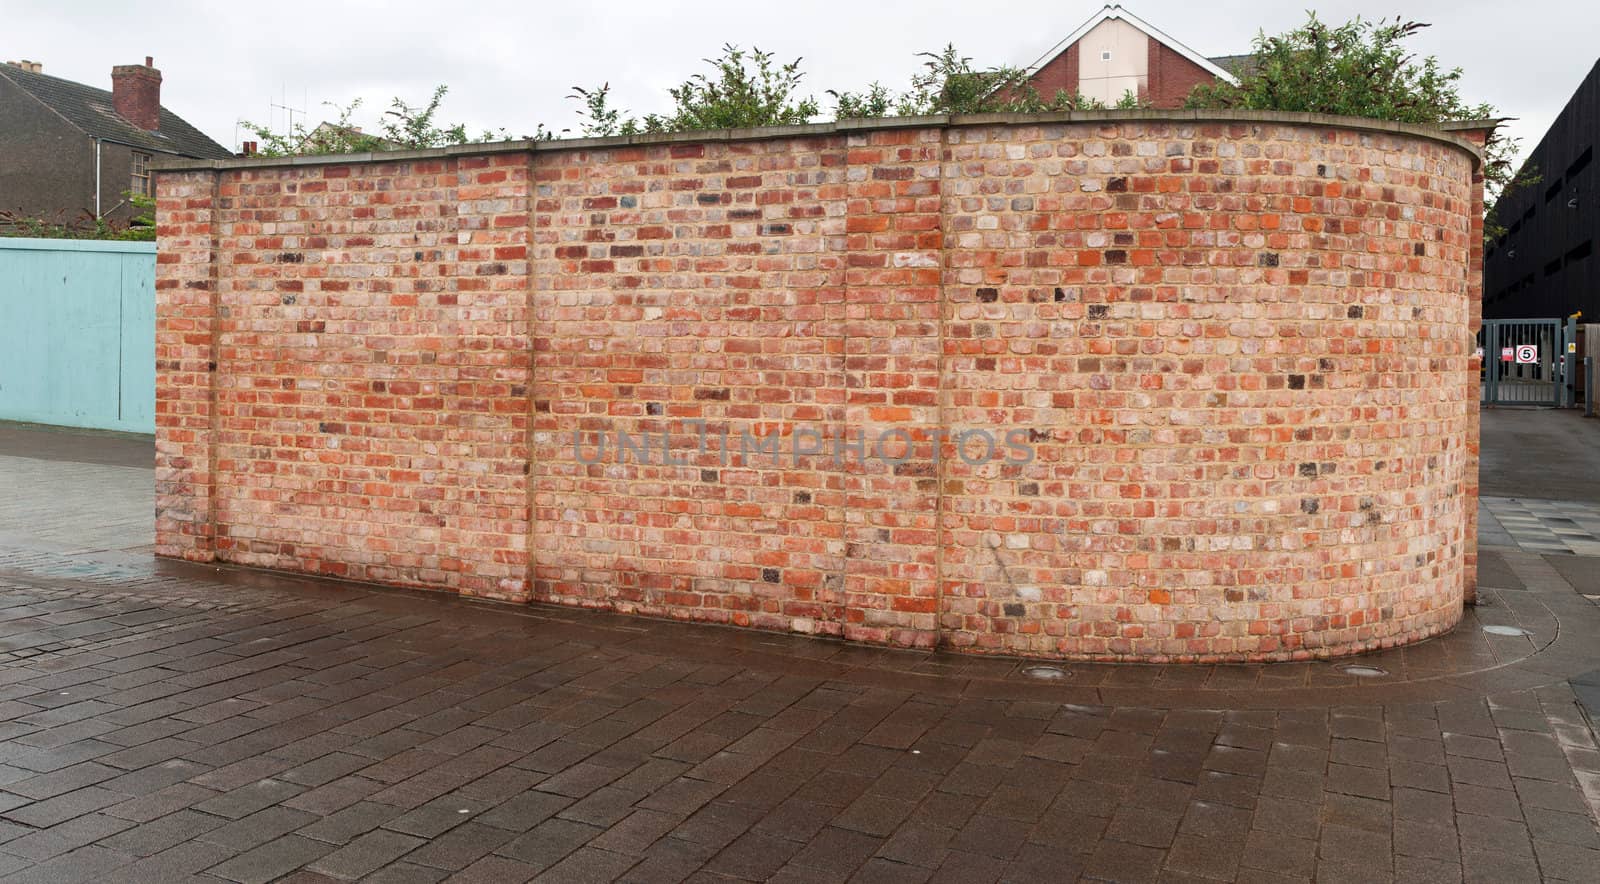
(71, 150)
(1116, 52)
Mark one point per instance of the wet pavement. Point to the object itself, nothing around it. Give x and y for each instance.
(1540, 454)
(166, 722)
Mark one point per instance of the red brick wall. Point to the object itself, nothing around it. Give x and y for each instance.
(1245, 363)
(1059, 74)
(368, 407)
(1479, 137)
(1239, 361)
(676, 283)
(187, 311)
(1171, 77)
(894, 375)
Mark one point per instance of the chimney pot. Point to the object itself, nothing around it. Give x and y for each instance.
(136, 94)
(149, 61)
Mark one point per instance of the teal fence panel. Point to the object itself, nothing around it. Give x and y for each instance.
(78, 333)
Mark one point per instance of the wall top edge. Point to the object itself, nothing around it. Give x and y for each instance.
(1442, 133)
(77, 245)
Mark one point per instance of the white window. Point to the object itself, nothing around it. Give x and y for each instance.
(141, 174)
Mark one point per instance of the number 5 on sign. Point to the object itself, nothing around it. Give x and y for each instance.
(1527, 354)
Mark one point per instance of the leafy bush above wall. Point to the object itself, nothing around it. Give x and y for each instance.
(1361, 68)
(140, 228)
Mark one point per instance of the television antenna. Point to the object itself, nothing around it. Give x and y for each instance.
(290, 110)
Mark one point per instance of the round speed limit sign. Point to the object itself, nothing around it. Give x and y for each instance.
(1527, 354)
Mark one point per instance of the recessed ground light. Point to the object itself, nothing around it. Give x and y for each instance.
(1497, 629)
(1360, 671)
(1045, 672)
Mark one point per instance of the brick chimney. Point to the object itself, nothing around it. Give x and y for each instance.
(136, 94)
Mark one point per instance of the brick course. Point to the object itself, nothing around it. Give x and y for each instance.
(1237, 350)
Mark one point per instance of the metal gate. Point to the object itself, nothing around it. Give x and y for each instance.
(1526, 362)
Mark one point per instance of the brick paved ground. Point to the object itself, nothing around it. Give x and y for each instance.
(162, 722)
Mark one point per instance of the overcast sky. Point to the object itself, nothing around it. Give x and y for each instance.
(512, 64)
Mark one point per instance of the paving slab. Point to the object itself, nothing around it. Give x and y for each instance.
(1540, 454)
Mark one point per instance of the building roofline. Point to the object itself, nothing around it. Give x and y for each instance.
(173, 137)
(1115, 11)
(41, 102)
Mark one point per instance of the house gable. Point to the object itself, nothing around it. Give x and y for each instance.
(1115, 53)
(1059, 74)
(48, 171)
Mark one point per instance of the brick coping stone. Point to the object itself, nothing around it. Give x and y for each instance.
(1443, 133)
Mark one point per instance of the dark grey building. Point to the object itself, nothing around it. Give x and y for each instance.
(1544, 265)
(68, 152)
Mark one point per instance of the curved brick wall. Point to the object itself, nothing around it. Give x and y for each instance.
(1247, 347)
(1237, 354)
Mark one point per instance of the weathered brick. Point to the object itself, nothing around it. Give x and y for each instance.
(1246, 397)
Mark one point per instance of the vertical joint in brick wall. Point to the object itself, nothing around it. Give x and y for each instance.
(213, 278)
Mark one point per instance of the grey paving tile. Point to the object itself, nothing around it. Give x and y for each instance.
(256, 829)
(462, 846)
(271, 860)
(365, 854)
(51, 811)
(1489, 866)
(176, 863)
(1566, 862)
(162, 833)
(42, 844)
(83, 864)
